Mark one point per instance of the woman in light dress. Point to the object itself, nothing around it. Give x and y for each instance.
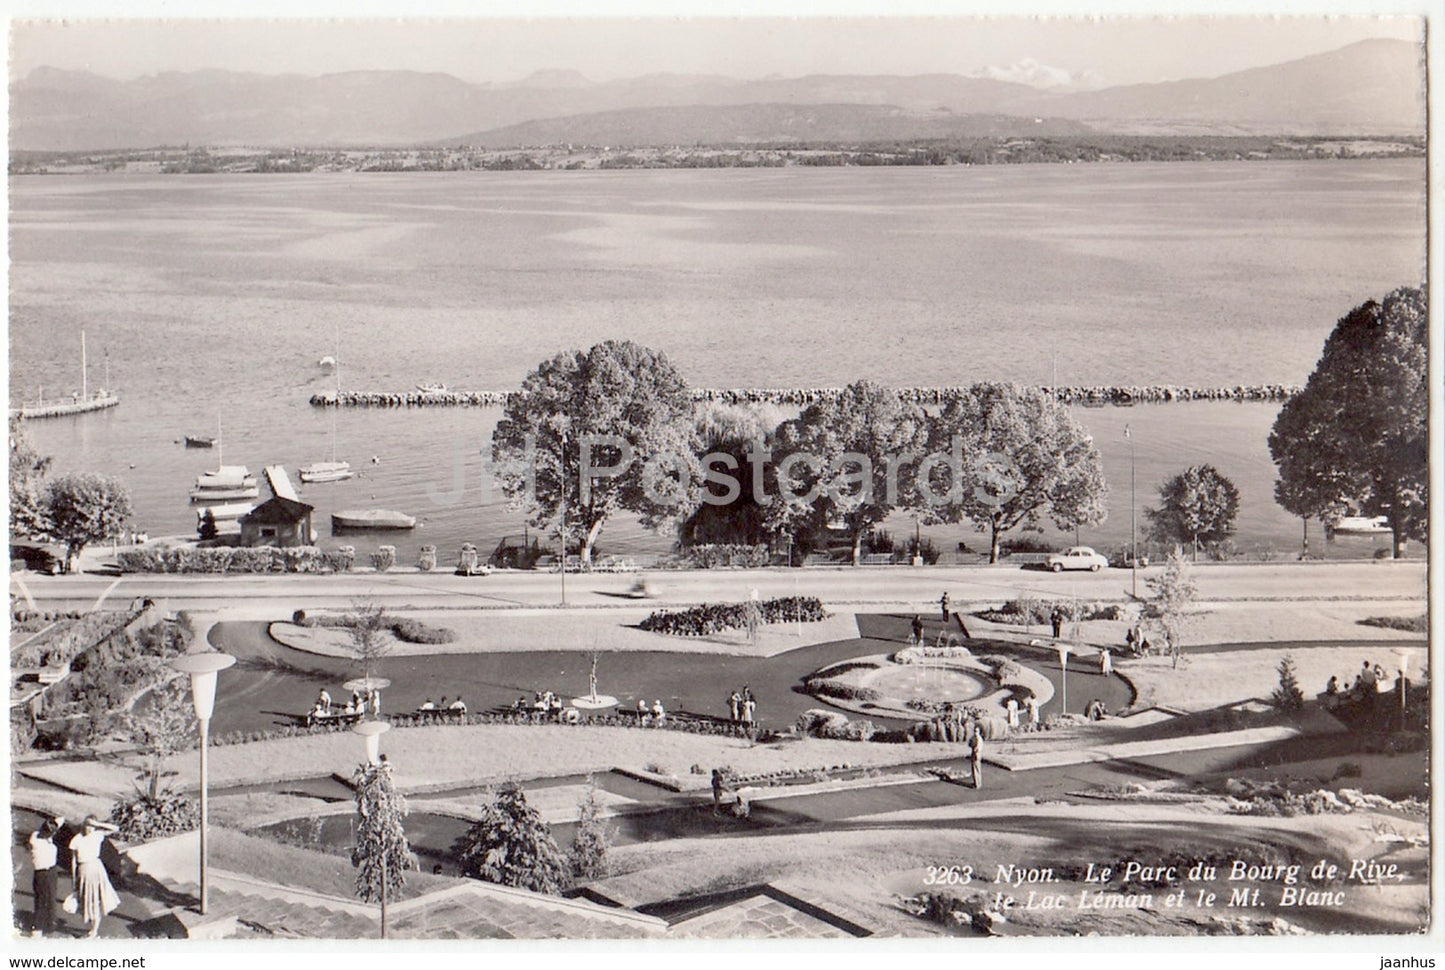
(96, 896)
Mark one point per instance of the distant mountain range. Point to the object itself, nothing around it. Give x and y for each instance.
(1372, 87)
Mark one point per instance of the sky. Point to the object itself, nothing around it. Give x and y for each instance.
(1073, 51)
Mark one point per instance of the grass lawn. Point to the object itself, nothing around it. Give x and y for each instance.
(590, 630)
(298, 868)
(1206, 680)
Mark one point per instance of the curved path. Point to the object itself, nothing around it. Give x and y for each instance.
(272, 683)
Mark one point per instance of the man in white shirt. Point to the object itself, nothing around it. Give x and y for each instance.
(43, 855)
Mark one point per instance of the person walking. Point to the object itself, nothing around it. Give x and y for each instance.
(717, 789)
(943, 605)
(1031, 705)
(917, 627)
(1106, 662)
(96, 896)
(43, 855)
(1012, 707)
(975, 755)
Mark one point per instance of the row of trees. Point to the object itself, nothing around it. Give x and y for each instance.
(74, 510)
(1001, 457)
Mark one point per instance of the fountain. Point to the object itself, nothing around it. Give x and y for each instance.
(594, 701)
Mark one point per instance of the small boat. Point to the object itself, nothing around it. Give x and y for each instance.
(199, 441)
(436, 387)
(225, 494)
(327, 363)
(226, 483)
(326, 471)
(372, 519)
(1360, 525)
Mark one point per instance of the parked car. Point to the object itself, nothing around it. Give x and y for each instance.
(1076, 557)
(36, 558)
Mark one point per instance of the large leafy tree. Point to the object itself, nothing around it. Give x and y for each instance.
(1197, 506)
(617, 389)
(1356, 438)
(83, 509)
(851, 444)
(511, 845)
(381, 854)
(733, 436)
(29, 517)
(1023, 455)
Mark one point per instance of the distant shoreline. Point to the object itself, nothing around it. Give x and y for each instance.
(1096, 395)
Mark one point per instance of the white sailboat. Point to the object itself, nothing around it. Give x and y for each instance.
(228, 482)
(333, 470)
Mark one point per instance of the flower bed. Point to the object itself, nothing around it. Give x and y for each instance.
(232, 559)
(710, 618)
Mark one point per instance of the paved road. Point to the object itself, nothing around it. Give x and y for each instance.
(863, 585)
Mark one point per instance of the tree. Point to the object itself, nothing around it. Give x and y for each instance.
(591, 840)
(512, 846)
(83, 509)
(855, 455)
(730, 513)
(29, 516)
(381, 854)
(628, 396)
(1287, 696)
(1198, 505)
(368, 627)
(161, 727)
(207, 529)
(1023, 456)
(1356, 439)
(1171, 602)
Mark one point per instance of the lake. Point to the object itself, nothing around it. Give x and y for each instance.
(211, 299)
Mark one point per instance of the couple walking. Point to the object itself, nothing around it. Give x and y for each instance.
(743, 707)
(93, 896)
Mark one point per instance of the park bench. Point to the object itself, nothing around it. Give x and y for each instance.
(335, 717)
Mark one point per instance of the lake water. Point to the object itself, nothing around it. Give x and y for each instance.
(213, 297)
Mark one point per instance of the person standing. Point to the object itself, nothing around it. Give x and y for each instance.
(943, 605)
(1031, 705)
(735, 703)
(43, 855)
(917, 627)
(1012, 707)
(975, 756)
(1057, 619)
(97, 897)
(1106, 662)
(717, 788)
(750, 707)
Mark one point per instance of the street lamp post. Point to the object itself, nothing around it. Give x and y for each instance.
(371, 732)
(1064, 666)
(203, 668)
(1133, 542)
(562, 479)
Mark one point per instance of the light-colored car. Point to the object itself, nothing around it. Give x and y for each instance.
(1076, 557)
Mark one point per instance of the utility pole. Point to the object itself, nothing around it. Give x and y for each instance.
(1133, 541)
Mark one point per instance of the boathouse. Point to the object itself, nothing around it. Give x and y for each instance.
(277, 522)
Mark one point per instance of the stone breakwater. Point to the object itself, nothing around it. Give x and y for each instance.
(802, 396)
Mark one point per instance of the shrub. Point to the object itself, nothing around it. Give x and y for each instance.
(298, 617)
(427, 560)
(813, 722)
(833, 670)
(383, 558)
(409, 630)
(228, 559)
(1287, 697)
(710, 618)
(723, 555)
(824, 687)
(1026, 610)
(1410, 624)
(591, 840)
(141, 818)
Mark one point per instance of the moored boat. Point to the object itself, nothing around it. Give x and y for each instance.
(372, 519)
(435, 387)
(224, 512)
(226, 483)
(326, 471)
(199, 441)
(1360, 525)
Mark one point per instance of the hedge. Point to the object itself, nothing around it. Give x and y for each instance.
(719, 555)
(233, 559)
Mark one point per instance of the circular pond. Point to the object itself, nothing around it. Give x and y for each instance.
(936, 682)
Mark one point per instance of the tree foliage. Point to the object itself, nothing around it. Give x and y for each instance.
(1197, 506)
(29, 516)
(853, 442)
(618, 389)
(381, 854)
(737, 432)
(512, 846)
(85, 508)
(1287, 696)
(1170, 605)
(1356, 439)
(160, 725)
(369, 630)
(1024, 457)
(591, 839)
